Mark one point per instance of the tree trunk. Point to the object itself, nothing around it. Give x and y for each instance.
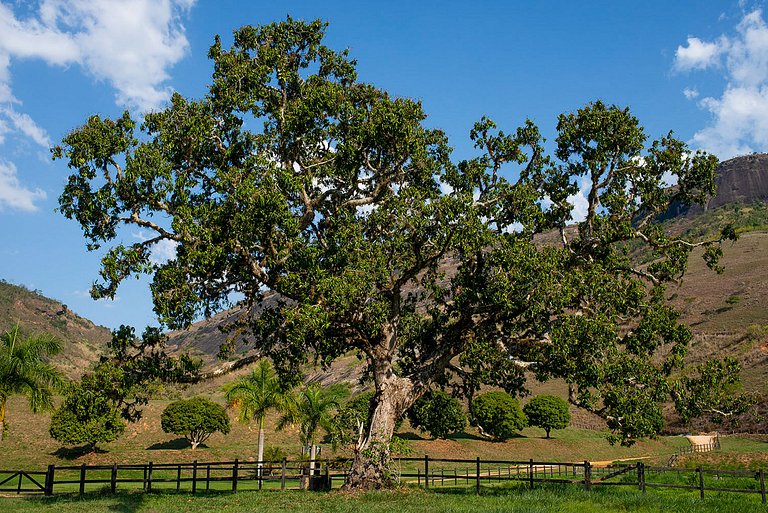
(312, 457)
(371, 468)
(194, 443)
(547, 429)
(260, 449)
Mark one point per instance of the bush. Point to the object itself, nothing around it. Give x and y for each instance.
(498, 414)
(195, 419)
(86, 418)
(438, 414)
(548, 412)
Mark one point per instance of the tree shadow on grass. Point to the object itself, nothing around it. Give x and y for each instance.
(468, 436)
(410, 435)
(72, 453)
(175, 444)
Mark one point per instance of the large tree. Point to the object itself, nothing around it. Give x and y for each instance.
(25, 370)
(338, 216)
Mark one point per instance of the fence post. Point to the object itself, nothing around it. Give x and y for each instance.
(82, 479)
(282, 477)
(477, 481)
(149, 477)
(194, 476)
(701, 482)
(587, 476)
(49, 480)
(113, 479)
(18, 487)
(234, 476)
(207, 477)
(530, 473)
(178, 478)
(762, 484)
(426, 472)
(641, 476)
(418, 477)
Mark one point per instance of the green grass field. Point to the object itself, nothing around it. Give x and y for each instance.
(517, 499)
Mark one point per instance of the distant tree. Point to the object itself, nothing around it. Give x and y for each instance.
(254, 395)
(548, 412)
(438, 414)
(196, 419)
(87, 417)
(312, 409)
(498, 414)
(24, 370)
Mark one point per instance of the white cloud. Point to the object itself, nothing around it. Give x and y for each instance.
(740, 114)
(691, 93)
(580, 202)
(161, 251)
(129, 43)
(698, 54)
(27, 126)
(13, 195)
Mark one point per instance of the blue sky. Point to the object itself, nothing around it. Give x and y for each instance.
(699, 68)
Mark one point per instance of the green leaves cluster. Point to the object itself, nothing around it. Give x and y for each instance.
(196, 419)
(498, 415)
(94, 410)
(438, 414)
(87, 416)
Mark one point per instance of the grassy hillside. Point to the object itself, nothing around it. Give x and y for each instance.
(83, 341)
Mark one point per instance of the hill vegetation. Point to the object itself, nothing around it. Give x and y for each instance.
(82, 340)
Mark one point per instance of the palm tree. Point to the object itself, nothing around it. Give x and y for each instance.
(24, 371)
(311, 409)
(254, 395)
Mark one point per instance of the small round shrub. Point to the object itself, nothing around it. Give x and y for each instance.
(498, 414)
(195, 419)
(438, 414)
(548, 412)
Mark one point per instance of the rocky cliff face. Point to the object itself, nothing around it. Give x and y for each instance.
(742, 180)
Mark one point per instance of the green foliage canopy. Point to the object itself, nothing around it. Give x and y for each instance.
(548, 412)
(196, 419)
(438, 414)
(333, 210)
(87, 416)
(498, 414)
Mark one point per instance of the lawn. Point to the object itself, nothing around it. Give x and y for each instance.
(554, 499)
(28, 445)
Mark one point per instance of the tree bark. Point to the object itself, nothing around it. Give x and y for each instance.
(371, 465)
(260, 450)
(312, 457)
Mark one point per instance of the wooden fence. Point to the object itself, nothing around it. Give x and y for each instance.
(423, 472)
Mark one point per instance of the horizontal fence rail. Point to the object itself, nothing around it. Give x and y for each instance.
(423, 472)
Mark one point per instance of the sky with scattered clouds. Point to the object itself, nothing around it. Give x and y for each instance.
(699, 68)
